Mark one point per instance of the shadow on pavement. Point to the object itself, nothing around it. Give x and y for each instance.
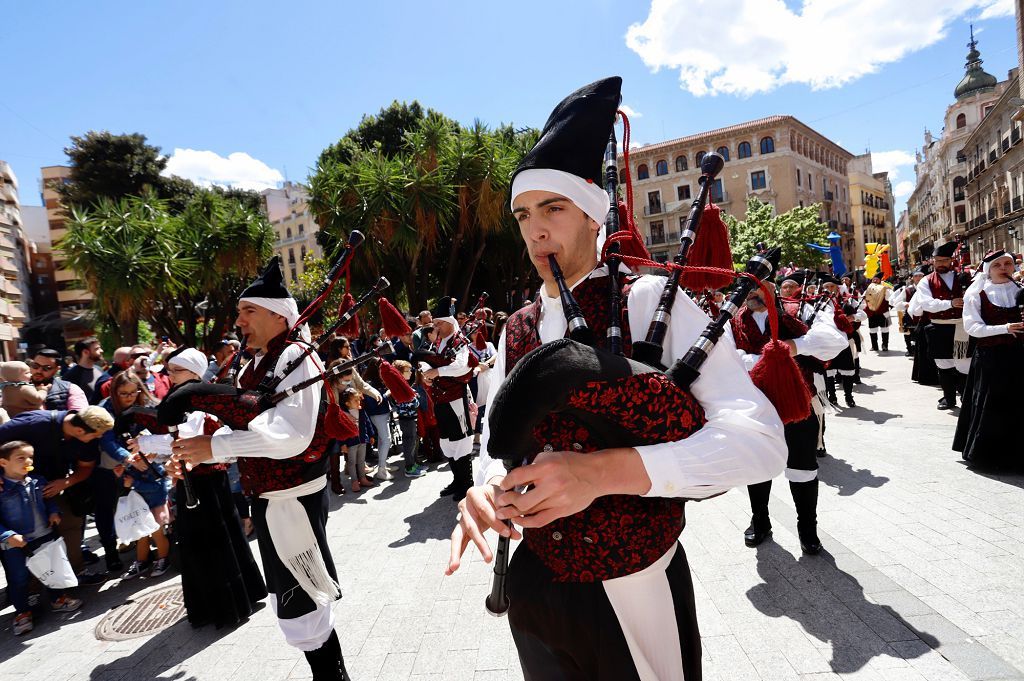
(863, 414)
(830, 605)
(838, 473)
(433, 522)
(1006, 476)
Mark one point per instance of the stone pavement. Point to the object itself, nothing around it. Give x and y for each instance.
(923, 578)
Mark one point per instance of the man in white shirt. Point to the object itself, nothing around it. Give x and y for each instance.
(940, 297)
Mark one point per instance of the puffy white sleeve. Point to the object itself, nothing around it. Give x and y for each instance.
(459, 366)
(284, 430)
(823, 340)
(742, 441)
(486, 467)
(925, 302)
(973, 322)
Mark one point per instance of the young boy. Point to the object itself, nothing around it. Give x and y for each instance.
(354, 449)
(408, 413)
(153, 486)
(26, 519)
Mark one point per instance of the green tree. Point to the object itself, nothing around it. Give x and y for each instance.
(790, 231)
(104, 165)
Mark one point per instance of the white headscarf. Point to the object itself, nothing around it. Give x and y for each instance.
(978, 283)
(190, 359)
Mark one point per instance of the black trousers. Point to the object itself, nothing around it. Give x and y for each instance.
(568, 631)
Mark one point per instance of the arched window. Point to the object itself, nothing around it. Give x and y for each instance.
(767, 145)
(622, 176)
(642, 173)
(680, 164)
(661, 167)
(288, 233)
(961, 121)
(302, 229)
(302, 253)
(723, 152)
(699, 157)
(743, 151)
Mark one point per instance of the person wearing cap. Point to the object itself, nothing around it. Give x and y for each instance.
(579, 608)
(452, 365)
(843, 367)
(992, 315)
(902, 298)
(283, 462)
(940, 297)
(220, 580)
(877, 303)
(222, 358)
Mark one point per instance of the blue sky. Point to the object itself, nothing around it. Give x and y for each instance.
(256, 89)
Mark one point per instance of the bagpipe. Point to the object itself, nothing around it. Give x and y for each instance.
(236, 408)
(605, 398)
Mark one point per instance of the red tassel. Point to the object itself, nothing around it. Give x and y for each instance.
(400, 389)
(778, 377)
(633, 246)
(350, 328)
(711, 249)
(338, 424)
(391, 319)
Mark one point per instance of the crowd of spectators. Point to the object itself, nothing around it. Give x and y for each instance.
(70, 449)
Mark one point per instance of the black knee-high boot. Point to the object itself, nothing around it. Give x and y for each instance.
(885, 341)
(805, 498)
(874, 341)
(463, 471)
(450, 488)
(760, 524)
(830, 390)
(327, 662)
(856, 370)
(948, 380)
(961, 383)
(848, 391)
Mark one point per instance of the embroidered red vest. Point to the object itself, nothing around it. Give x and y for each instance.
(450, 388)
(751, 339)
(261, 474)
(941, 292)
(616, 535)
(994, 315)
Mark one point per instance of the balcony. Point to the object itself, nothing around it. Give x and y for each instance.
(653, 209)
(656, 240)
(958, 196)
(1017, 203)
(1015, 136)
(991, 213)
(992, 156)
(970, 175)
(74, 296)
(961, 157)
(1006, 208)
(1006, 144)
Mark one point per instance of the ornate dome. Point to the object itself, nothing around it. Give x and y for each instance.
(976, 79)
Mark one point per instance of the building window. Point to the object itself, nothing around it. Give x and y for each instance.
(657, 232)
(622, 176)
(699, 157)
(661, 168)
(717, 195)
(988, 109)
(680, 164)
(653, 202)
(302, 229)
(295, 276)
(289, 233)
(758, 180)
(291, 256)
(642, 173)
(810, 182)
(801, 204)
(302, 253)
(723, 152)
(767, 145)
(743, 150)
(683, 192)
(798, 184)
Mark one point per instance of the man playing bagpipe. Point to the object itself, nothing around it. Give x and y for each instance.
(877, 303)
(813, 342)
(287, 478)
(582, 606)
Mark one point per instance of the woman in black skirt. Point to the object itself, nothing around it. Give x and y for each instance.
(988, 417)
(219, 576)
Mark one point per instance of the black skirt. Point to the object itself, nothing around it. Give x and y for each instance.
(219, 576)
(923, 371)
(986, 428)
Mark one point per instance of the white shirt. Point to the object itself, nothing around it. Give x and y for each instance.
(924, 301)
(1003, 295)
(822, 341)
(459, 365)
(286, 429)
(742, 441)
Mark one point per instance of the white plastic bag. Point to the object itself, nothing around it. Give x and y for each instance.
(50, 564)
(133, 519)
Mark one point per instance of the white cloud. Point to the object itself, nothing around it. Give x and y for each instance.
(901, 189)
(892, 162)
(238, 170)
(745, 47)
(628, 110)
(996, 9)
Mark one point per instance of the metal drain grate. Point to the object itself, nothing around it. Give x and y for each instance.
(145, 614)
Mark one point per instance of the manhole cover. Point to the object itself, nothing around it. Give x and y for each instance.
(147, 613)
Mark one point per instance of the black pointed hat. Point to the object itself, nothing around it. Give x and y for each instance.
(946, 250)
(444, 308)
(575, 135)
(270, 283)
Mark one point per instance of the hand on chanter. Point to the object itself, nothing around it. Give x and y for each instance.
(477, 514)
(560, 484)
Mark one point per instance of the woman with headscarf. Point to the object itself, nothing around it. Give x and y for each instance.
(219, 576)
(988, 415)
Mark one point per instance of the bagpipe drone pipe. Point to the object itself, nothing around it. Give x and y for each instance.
(569, 395)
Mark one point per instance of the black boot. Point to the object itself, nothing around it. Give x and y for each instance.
(885, 342)
(463, 470)
(334, 472)
(326, 662)
(874, 341)
(848, 391)
(830, 390)
(760, 524)
(805, 498)
(450, 488)
(947, 381)
(961, 383)
(114, 564)
(856, 371)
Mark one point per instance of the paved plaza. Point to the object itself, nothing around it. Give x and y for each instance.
(922, 578)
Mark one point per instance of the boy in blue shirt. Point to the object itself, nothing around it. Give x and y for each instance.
(26, 519)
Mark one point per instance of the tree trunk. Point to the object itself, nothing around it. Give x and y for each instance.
(471, 269)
